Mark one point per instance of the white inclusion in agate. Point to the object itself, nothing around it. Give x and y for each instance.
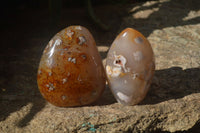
(58, 42)
(113, 72)
(116, 71)
(120, 61)
(124, 97)
(70, 33)
(78, 28)
(82, 40)
(138, 56)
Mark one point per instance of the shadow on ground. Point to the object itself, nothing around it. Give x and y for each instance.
(194, 129)
(173, 83)
(159, 15)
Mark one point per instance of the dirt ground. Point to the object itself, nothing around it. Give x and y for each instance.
(172, 27)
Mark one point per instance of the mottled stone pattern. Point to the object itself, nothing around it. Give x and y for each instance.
(130, 67)
(70, 71)
(171, 105)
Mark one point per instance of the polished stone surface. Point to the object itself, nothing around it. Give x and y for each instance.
(70, 71)
(130, 67)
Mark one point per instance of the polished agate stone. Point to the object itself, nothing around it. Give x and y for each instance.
(130, 67)
(70, 72)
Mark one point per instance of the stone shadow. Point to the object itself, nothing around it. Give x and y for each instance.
(18, 88)
(163, 14)
(167, 84)
(107, 98)
(173, 83)
(14, 104)
(18, 70)
(194, 129)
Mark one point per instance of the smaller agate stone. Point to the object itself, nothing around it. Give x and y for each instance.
(70, 71)
(130, 67)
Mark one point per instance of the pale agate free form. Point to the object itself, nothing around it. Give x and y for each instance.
(130, 67)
